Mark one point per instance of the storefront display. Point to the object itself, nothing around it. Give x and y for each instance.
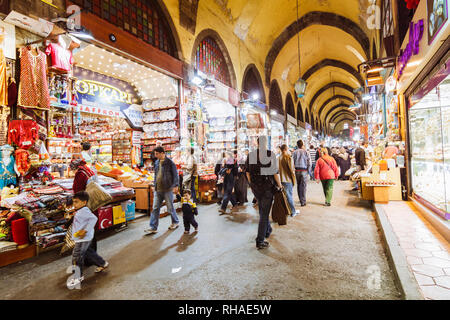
(277, 133)
(253, 123)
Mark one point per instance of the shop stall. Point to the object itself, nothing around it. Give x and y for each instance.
(423, 86)
(253, 123)
(277, 132)
(293, 133)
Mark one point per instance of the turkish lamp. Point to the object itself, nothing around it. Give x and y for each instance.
(300, 88)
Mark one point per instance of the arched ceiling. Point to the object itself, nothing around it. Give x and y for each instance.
(334, 39)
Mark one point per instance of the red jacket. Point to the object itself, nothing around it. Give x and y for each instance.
(81, 177)
(326, 170)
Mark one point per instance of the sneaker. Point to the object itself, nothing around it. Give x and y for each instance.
(222, 211)
(186, 232)
(294, 214)
(74, 282)
(304, 205)
(173, 226)
(196, 229)
(150, 231)
(262, 245)
(100, 269)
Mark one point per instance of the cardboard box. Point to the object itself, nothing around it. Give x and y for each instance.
(118, 215)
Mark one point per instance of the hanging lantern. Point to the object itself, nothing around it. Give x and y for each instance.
(300, 88)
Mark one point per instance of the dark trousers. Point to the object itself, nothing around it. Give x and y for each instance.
(265, 201)
(84, 253)
(188, 220)
(302, 179)
(193, 192)
(228, 193)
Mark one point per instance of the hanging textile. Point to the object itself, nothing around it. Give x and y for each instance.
(61, 58)
(33, 86)
(23, 133)
(3, 80)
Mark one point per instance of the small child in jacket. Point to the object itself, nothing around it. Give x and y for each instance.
(189, 209)
(82, 234)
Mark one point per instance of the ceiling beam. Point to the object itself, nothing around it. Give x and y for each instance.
(332, 99)
(333, 63)
(339, 112)
(329, 86)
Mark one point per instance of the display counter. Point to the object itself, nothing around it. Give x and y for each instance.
(389, 179)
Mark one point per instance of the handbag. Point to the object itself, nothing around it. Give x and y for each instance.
(69, 244)
(98, 197)
(280, 209)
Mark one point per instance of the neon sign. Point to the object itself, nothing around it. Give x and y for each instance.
(415, 35)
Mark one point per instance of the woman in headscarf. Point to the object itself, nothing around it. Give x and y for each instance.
(344, 163)
(82, 175)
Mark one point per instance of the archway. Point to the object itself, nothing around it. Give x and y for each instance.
(275, 98)
(290, 105)
(252, 83)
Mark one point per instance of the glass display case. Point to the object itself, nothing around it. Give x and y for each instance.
(429, 121)
(277, 135)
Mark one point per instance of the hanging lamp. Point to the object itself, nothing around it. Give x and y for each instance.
(300, 85)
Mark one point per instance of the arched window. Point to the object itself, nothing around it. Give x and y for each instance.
(210, 60)
(290, 105)
(142, 18)
(252, 83)
(300, 112)
(275, 99)
(307, 118)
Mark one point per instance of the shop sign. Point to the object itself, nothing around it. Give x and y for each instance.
(412, 48)
(222, 91)
(233, 97)
(277, 117)
(391, 84)
(136, 137)
(102, 91)
(437, 17)
(89, 107)
(291, 119)
(135, 116)
(41, 27)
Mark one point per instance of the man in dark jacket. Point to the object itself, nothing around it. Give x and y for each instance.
(264, 180)
(166, 184)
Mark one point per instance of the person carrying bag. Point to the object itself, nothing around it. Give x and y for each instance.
(326, 171)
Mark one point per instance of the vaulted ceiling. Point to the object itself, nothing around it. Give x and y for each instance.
(334, 40)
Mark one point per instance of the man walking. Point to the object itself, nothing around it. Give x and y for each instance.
(166, 184)
(302, 164)
(312, 156)
(190, 174)
(264, 180)
(360, 155)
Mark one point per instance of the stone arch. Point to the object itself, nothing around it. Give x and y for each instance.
(333, 63)
(344, 119)
(216, 37)
(289, 104)
(173, 29)
(309, 19)
(300, 112)
(275, 98)
(337, 110)
(338, 114)
(252, 82)
(307, 118)
(328, 86)
(336, 97)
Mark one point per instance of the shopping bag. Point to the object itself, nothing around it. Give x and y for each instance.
(98, 197)
(69, 244)
(280, 208)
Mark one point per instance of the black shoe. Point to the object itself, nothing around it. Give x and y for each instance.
(268, 236)
(327, 204)
(304, 205)
(262, 245)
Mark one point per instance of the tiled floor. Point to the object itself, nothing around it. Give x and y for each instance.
(427, 252)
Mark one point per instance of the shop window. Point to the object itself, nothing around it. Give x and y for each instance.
(142, 18)
(210, 60)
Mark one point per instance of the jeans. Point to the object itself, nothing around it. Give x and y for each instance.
(190, 184)
(228, 194)
(302, 179)
(264, 205)
(159, 197)
(289, 194)
(83, 252)
(328, 189)
(311, 174)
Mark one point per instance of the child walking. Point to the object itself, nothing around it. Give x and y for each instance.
(189, 209)
(82, 234)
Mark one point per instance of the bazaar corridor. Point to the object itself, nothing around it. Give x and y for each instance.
(323, 253)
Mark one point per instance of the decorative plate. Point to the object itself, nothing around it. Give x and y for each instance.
(229, 121)
(171, 114)
(172, 101)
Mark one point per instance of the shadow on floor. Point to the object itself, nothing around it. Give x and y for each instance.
(133, 258)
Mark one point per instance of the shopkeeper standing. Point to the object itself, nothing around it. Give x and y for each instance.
(82, 175)
(190, 174)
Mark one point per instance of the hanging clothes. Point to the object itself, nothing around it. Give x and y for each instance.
(3, 80)
(7, 173)
(33, 86)
(23, 165)
(61, 58)
(23, 133)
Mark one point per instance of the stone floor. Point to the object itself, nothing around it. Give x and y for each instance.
(427, 252)
(324, 253)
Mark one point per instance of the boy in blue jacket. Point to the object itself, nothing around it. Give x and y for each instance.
(82, 234)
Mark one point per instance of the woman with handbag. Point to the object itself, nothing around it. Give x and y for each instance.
(326, 171)
(287, 176)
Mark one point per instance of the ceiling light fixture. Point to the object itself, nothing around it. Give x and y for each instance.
(300, 85)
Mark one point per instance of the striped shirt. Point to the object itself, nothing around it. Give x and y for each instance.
(312, 154)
